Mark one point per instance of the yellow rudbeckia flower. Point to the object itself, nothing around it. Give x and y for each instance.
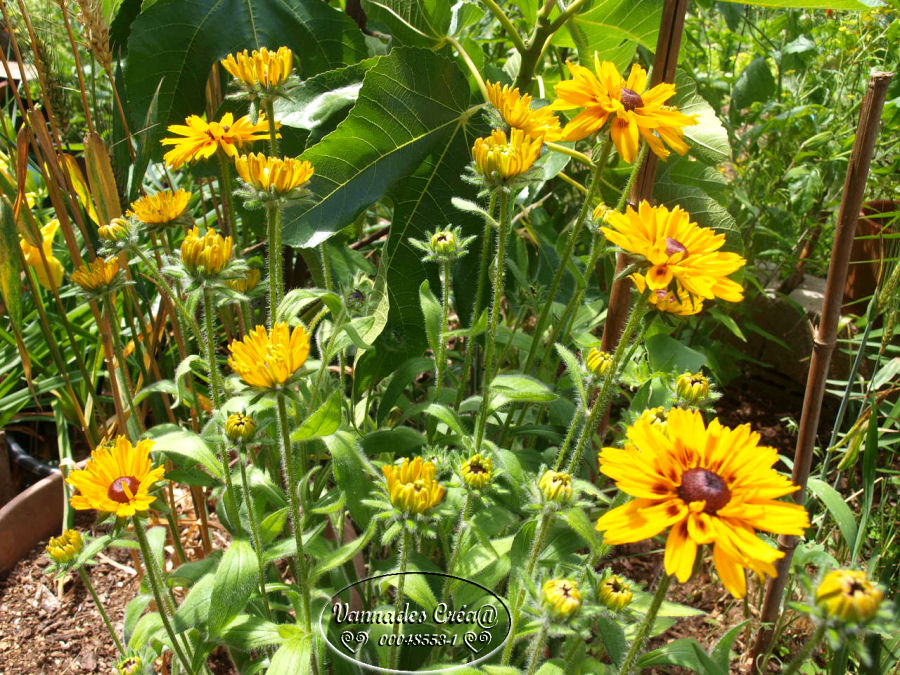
(160, 208)
(207, 255)
(49, 276)
(681, 303)
(849, 595)
(499, 159)
(516, 110)
(262, 69)
(710, 485)
(411, 486)
(98, 275)
(272, 174)
(199, 139)
(561, 597)
(269, 360)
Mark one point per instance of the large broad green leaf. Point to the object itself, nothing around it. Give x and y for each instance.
(234, 583)
(607, 24)
(412, 22)
(176, 42)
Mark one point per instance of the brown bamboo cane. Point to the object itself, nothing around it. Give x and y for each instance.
(825, 337)
(667, 46)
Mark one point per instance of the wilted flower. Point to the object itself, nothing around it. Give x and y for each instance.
(615, 592)
(849, 595)
(411, 486)
(239, 427)
(477, 471)
(66, 547)
(561, 597)
(556, 486)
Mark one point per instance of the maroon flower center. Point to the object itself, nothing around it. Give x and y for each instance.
(476, 468)
(630, 99)
(674, 246)
(117, 491)
(704, 485)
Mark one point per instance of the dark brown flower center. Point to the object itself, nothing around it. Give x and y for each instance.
(704, 485)
(566, 590)
(855, 587)
(674, 246)
(117, 491)
(474, 467)
(631, 99)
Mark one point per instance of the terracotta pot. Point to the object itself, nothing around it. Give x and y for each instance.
(867, 254)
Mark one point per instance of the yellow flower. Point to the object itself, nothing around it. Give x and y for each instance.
(207, 255)
(498, 159)
(116, 230)
(615, 592)
(849, 595)
(561, 597)
(692, 387)
(131, 665)
(676, 250)
(656, 416)
(477, 471)
(117, 478)
(98, 275)
(556, 486)
(160, 208)
(200, 139)
(711, 485)
(598, 362)
(516, 110)
(245, 283)
(263, 68)
(635, 111)
(49, 276)
(271, 174)
(239, 427)
(411, 486)
(266, 360)
(66, 547)
(682, 304)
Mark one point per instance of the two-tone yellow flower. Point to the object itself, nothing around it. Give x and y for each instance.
(678, 302)
(411, 486)
(710, 485)
(477, 471)
(160, 208)
(499, 159)
(268, 360)
(263, 70)
(634, 111)
(561, 597)
(50, 275)
(849, 595)
(116, 479)
(97, 276)
(517, 111)
(273, 175)
(207, 255)
(117, 229)
(675, 249)
(199, 139)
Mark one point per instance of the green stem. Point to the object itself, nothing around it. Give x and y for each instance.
(646, 626)
(276, 282)
(570, 434)
(113, 320)
(398, 600)
(543, 31)
(86, 580)
(537, 648)
(470, 64)
(291, 486)
(601, 403)
(254, 531)
(440, 359)
(806, 650)
(156, 584)
(508, 26)
(230, 226)
(176, 536)
(215, 384)
(186, 317)
(593, 188)
(489, 366)
(479, 296)
(457, 541)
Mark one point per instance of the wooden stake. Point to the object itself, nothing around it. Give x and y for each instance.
(826, 335)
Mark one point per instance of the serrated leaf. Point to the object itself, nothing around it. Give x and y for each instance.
(613, 638)
(234, 582)
(324, 421)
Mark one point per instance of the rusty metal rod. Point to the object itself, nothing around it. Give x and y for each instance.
(825, 337)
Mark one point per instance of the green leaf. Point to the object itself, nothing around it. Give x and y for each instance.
(176, 42)
(352, 473)
(581, 525)
(755, 83)
(668, 355)
(272, 525)
(246, 632)
(397, 441)
(293, 657)
(401, 378)
(187, 574)
(235, 580)
(838, 509)
(422, 23)
(814, 4)
(708, 140)
(9, 263)
(181, 444)
(517, 387)
(195, 609)
(721, 653)
(342, 554)
(575, 371)
(324, 421)
(146, 627)
(431, 310)
(613, 638)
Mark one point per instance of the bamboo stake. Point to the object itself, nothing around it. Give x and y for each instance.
(826, 335)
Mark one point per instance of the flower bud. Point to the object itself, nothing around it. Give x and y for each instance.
(848, 595)
(655, 416)
(615, 592)
(444, 242)
(692, 388)
(246, 283)
(207, 255)
(561, 598)
(477, 471)
(116, 230)
(239, 427)
(66, 547)
(131, 665)
(411, 486)
(556, 486)
(97, 276)
(598, 362)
